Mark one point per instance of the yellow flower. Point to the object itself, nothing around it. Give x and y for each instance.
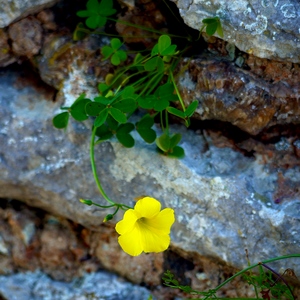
(145, 228)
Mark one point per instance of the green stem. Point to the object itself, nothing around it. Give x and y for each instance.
(176, 89)
(145, 28)
(249, 268)
(92, 158)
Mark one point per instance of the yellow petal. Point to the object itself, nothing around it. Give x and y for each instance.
(152, 242)
(131, 243)
(127, 224)
(162, 222)
(147, 207)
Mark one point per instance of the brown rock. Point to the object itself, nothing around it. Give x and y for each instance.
(6, 57)
(26, 36)
(146, 268)
(251, 100)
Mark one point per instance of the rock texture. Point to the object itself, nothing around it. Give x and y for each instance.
(224, 201)
(252, 100)
(38, 286)
(264, 28)
(11, 11)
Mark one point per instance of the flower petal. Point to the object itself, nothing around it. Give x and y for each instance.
(162, 222)
(147, 207)
(152, 242)
(127, 224)
(131, 243)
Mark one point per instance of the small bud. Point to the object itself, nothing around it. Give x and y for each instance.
(108, 218)
(87, 202)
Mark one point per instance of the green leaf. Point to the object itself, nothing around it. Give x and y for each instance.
(143, 127)
(103, 88)
(106, 51)
(210, 20)
(154, 50)
(61, 120)
(161, 104)
(105, 8)
(169, 51)
(80, 32)
(211, 28)
(115, 59)
(123, 135)
(163, 142)
(118, 115)
(176, 112)
(103, 133)
(191, 109)
(77, 109)
(122, 55)
(125, 128)
(115, 44)
(151, 64)
(103, 100)
(93, 21)
(147, 134)
(147, 102)
(101, 118)
(125, 105)
(174, 140)
(94, 108)
(128, 92)
(220, 30)
(92, 5)
(177, 152)
(164, 42)
(112, 123)
(125, 139)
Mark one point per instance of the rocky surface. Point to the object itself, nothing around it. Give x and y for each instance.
(221, 197)
(252, 100)
(264, 28)
(39, 286)
(14, 10)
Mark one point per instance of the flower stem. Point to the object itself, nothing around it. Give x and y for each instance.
(94, 170)
(249, 268)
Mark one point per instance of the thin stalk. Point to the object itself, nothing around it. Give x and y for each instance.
(177, 91)
(145, 28)
(94, 170)
(280, 277)
(249, 268)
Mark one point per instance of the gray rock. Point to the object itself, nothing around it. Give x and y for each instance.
(224, 201)
(264, 28)
(96, 286)
(10, 11)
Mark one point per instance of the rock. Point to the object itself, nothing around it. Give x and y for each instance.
(38, 286)
(26, 36)
(6, 58)
(224, 201)
(264, 28)
(14, 10)
(253, 100)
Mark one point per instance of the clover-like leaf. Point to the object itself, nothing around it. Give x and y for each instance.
(176, 112)
(123, 135)
(94, 108)
(96, 13)
(163, 142)
(61, 120)
(116, 55)
(155, 63)
(213, 25)
(104, 133)
(126, 105)
(144, 129)
(77, 109)
(191, 109)
(117, 115)
(101, 118)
